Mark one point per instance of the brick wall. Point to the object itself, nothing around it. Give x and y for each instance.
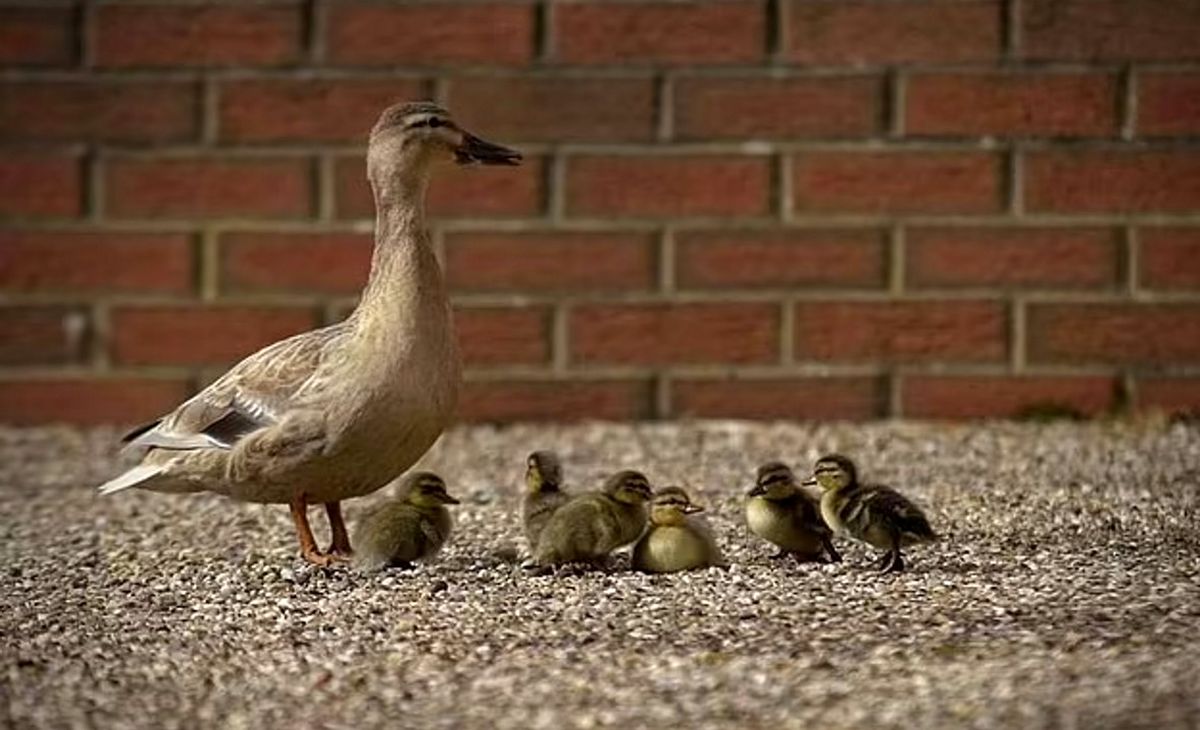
(806, 208)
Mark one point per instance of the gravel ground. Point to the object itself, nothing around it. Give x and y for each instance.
(1066, 594)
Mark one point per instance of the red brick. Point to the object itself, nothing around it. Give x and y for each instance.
(37, 36)
(200, 335)
(792, 258)
(755, 106)
(306, 110)
(42, 335)
(1175, 395)
(89, 402)
(507, 401)
(702, 32)
(184, 187)
(1169, 258)
(1168, 103)
(844, 33)
(668, 186)
(897, 182)
(429, 34)
(660, 334)
(214, 35)
(78, 263)
(454, 191)
(923, 331)
(99, 111)
(1134, 181)
(36, 185)
(1151, 334)
(326, 263)
(548, 109)
(1012, 257)
(558, 261)
(997, 103)
(853, 399)
(503, 335)
(1116, 30)
(1003, 396)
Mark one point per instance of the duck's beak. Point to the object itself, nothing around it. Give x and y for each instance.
(692, 509)
(475, 150)
(757, 490)
(447, 499)
(809, 483)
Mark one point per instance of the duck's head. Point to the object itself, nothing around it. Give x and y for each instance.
(671, 505)
(413, 134)
(773, 480)
(834, 471)
(630, 487)
(426, 489)
(543, 472)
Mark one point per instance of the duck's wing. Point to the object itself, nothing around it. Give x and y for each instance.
(890, 507)
(805, 514)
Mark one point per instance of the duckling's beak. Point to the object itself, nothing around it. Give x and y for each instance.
(809, 483)
(473, 149)
(447, 499)
(757, 490)
(692, 509)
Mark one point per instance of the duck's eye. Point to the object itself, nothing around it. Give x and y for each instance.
(435, 122)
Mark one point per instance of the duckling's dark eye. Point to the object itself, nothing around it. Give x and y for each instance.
(435, 122)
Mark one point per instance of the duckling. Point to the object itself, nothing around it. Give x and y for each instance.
(590, 526)
(678, 538)
(543, 493)
(399, 531)
(781, 512)
(877, 515)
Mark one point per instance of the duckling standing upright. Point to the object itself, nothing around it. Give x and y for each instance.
(590, 526)
(340, 411)
(876, 515)
(398, 532)
(781, 512)
(543, 493)
(678, 538)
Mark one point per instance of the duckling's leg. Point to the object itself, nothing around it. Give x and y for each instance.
(339, 547)
(308, 545)
(830, 551)
(892, 562)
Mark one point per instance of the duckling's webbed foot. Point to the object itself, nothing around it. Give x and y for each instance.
(339, 547)
(892, 562)
(831, 553)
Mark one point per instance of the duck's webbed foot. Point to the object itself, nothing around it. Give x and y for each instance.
(339, 547)
(892, 562)
(308, 544)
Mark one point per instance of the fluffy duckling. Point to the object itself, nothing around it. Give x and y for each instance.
(876, 515)
(399, 531)
(543, 493)
(590, 526)
(783, 513)
(678, 538)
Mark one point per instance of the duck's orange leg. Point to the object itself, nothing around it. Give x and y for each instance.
(308, 545)
(340, 545)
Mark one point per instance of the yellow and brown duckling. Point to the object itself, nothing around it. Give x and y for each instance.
(590, 526)
(400, 531)
(678, 537)
(875, 514)
(782, 512)
(543, 493)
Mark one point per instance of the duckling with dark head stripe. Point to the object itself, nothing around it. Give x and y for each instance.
(679, 538)
(543, 493)
(590, 526)
(400, 531)
(782, 512)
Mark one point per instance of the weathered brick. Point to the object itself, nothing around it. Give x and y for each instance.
(1012, 257)
(200, 335)
(665, 186)
(503, 335)
(572, 400)
(1169, 258)
(897, 182)
(925, 331)
(1152, 334)
(555, 261)
(42, 335)
(431, 34)
(308, 110)
(33, 36)
(40, 185)
(1017, 104)
(324, 263)
(1115, 30)
(843, 33)
(826, 398)
(197, 35)
(1168, 103)
(88, 401)
(1134, 181)
(763, 107)
(553, 109)
(207, 187)
(959, 397)
(76, 263)
(704, 32)
(1174, 395)
(99, 111)
(851, 257)
(660, 334)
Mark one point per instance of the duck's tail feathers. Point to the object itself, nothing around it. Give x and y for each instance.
(132, 478)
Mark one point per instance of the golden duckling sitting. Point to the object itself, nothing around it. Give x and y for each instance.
(400, 531)
(678, 538)
(543, 493)
(783, 513)
(874, 514)
(590, 526)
